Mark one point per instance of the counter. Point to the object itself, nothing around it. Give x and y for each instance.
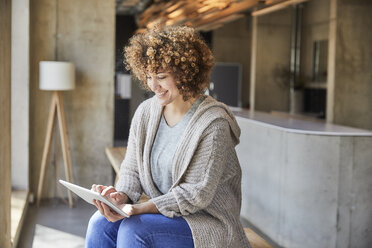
(306, 183)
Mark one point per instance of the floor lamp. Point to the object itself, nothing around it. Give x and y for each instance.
(56, 76)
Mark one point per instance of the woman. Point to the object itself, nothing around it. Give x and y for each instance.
(180, 153)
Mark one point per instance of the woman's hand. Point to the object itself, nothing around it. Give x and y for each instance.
(110, 192)
(119, 198)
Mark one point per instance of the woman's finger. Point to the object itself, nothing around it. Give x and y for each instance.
(100, 188)
(98, 205)
(101, 206)
(111, 214)
(116, 197)
(106, 209)
(107, 212)
(108, 190)
(94, 187)
(95, 203)
(129, 209)
(119, 197)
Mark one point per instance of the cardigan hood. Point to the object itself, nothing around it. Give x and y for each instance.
(221, 110)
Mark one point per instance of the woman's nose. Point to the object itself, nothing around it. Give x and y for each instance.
(154, 84)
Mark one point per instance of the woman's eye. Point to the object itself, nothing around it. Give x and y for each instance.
(161, 77)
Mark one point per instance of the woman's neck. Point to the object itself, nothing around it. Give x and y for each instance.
(179, 107)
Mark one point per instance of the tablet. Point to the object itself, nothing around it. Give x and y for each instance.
(89, 195)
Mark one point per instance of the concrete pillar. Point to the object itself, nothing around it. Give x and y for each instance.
(232, 43)
(273, 61)
(253, 65)
(42, 47)
(82, 32)
(353, 63)
(5, 189)
(20, 93)
(332, 37)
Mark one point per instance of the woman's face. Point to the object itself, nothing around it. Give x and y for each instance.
(163, 84)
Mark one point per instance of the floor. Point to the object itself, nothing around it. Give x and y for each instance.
(18, 212)
(56, 215)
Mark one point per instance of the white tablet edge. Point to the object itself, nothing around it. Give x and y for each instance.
(74, 188)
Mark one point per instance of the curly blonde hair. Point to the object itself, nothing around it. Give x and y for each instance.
(178, 50)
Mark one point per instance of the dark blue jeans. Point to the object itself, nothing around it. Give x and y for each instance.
(145, 230)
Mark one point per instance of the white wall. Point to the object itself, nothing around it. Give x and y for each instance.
(20, 93)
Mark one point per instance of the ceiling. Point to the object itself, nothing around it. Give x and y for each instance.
(204, 15)
(131, 7)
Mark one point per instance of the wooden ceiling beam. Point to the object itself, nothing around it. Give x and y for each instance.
(200, 13)
(270, 2)
(233, 9)
(219, 23)
(209, 27)
(276, 7)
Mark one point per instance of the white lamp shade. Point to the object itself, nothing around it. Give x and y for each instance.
(56, 75)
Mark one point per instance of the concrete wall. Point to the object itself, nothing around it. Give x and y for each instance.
(315, 27)
(306, 190)
(273, 61)
(232, 43)
(5, 142)
(353, 74)
(81, 32)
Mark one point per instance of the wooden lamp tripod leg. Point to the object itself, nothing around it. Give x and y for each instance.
(65, 142)
(48, 139)
(56, 106)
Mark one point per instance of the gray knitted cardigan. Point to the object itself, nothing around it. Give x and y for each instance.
(206, 173)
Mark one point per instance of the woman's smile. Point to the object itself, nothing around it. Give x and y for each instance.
(161, 94)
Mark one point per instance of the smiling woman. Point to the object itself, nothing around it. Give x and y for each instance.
(178, 50)
(180, 153)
